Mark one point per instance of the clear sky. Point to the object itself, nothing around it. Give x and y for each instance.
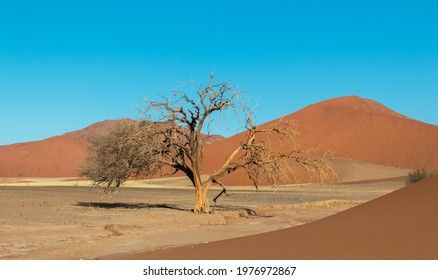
(67, 64)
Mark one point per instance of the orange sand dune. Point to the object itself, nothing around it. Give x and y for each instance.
(400, 225)
(351, 128)
(57, 156)
(365, 130)
(53, 157)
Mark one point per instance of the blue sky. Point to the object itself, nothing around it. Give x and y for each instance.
(67, 64)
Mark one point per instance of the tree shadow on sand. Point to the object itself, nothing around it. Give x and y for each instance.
(123, 205)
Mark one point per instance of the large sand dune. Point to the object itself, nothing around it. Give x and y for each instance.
(58, 156)
(360, 129)
(350, 128)
(400, 225)
(365, 130)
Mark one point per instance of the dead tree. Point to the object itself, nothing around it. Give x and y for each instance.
(170, 137)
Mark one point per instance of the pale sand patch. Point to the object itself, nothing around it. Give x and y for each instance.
(44, 182)
(350, 170)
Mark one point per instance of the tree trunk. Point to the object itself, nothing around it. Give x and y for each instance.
(201, 203)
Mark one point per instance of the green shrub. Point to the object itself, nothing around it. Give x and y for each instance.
(416, 176)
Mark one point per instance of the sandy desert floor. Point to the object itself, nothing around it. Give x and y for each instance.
(65, 219)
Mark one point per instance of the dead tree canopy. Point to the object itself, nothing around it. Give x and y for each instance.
(169, 138)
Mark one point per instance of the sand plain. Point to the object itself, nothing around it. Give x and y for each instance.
(63, 218)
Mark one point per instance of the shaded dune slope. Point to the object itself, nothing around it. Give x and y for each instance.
(400, 225)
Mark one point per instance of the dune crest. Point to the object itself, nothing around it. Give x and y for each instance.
(357, 103)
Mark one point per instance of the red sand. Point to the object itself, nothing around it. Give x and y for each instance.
(367, 131)
(53, 157)
(57, 156)
(401, 225)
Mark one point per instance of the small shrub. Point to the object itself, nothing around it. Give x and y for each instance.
(416, 176)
